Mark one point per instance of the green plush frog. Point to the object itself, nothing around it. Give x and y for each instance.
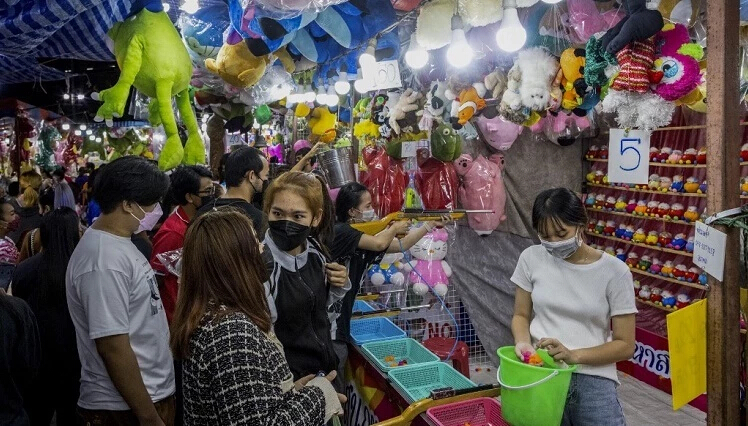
(445, 143)
(153, 59)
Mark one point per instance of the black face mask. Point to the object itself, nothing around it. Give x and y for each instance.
(288, 235)
(207, 199)
(265, 184)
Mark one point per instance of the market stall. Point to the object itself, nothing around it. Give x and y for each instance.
(445, 107)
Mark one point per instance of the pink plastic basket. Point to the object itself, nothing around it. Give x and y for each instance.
(475, 412)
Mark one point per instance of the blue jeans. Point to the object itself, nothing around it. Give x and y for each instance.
(592, 401)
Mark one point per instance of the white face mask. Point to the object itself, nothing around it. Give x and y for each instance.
(563, 249)
(368, 215)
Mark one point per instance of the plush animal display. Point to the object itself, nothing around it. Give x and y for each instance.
(576, 97)
(153, 59)
(387, 271)
(639, 24)
(482, 188)
(322, 124)
(436, 182)
(428, 269)
(129, 142)
(433, 110)
(511, 101)
(403, 115)
(677, 64)
(445, 143)
(237, 66)
(495, 83)
(498, 132)
(203, 30)
(385, 179)
(468, 103)
(538, 69)
(379, 109)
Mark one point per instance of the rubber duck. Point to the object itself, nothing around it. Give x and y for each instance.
(701, 156)
(692, 185)
(610, 228)
(644, 263)
(679, 273)
(629, 233)
(644, 292)
(663, 211)
(656, 266)
(664, 155)
(639, 236)
(641, 208)
(692, 214)
(631, 206)
(653, 153)
(620, 205)
(675, 157)
(668, 300)
(676, 211)
(632, 260)
(656, 296)
(592, 153)
(665, 239)
(677, 185)
(652, 238)
(667, 269)
(689, 156)
(682, 301)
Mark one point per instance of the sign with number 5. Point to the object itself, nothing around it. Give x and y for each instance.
(628, 160)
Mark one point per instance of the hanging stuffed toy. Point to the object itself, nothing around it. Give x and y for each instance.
(639, 24)
(445, 143)
(576, 93)
(387, 271)
(403, 115)
(677, 64)
(511, 101)
(482, 188)
(428, 269)
(433, 109)
(498, 132)
(538, 69)
(47, 142)
(468, 103)
(433, 24)
(322, 124)
(153, 59)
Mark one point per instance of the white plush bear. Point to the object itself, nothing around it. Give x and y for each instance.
(428, 269)
(538, 69)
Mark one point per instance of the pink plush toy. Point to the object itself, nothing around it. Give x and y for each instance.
(498, 133)
(276, 151)
(677, 63)
(482, 189)
(428, 269)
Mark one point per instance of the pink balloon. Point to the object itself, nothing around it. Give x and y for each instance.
(498, 132)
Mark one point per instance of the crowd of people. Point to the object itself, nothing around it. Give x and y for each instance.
(250, 324)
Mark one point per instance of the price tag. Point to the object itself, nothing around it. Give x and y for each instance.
(383, 75)
(408, 149)
(709, 250)
(628, 156)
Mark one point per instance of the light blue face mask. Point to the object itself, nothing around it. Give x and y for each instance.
(563, 249)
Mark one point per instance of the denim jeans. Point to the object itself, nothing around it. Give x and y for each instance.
(592, 401)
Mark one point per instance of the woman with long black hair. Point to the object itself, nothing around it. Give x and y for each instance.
(40, 281)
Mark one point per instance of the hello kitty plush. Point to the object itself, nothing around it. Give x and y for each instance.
(387, 271)
(428, 269)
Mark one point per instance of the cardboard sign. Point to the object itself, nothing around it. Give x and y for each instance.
(628, 156)
(686, 330)
(385, 75)
(709, 250)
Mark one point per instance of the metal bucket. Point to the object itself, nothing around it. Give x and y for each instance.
(337, 164)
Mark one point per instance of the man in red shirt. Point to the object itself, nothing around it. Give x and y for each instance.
(191, 187)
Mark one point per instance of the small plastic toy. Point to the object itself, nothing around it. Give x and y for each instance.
(639, 236)
(665, 184)
(610, 228)
(610, 204)
(677, 185)
(631, 206)
(663, 211)
(664, 155)
(590, 201)
(654, 182)
(744, 153)
(656, 296)
(701, 156)
(621, 231)
(644, 263)
(703, 187)
(667, 269)
(620, 205)
(652, 208)
(678, 243)
(532, 359)
(389, 358)
(692, 214)
(593, 152)
(703, 280)
(682, 301)
(679, 273)
(600, 201)
(600, 227)
(692, 275)
(632, 260)
(645, 292)
(652, 238)
(621, 255)
(590, 177)
(692, 185)
(603, 153)
(744, 186)
(656, 266)
(689, 156)
(653, 153)
(675, 157)
(637, 287)
(591, 225)
(689, 245)
(641, 208)
(629, 233)
(668, 300)
(665, 239)
(676, 212)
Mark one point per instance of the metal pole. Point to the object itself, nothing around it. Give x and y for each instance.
(723, 174)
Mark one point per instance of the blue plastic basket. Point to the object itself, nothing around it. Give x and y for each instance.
(407, 350)
(418, 381)
(361, 306)
(374, 329)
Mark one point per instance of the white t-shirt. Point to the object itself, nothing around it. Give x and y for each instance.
(574, 303)
(111, 289)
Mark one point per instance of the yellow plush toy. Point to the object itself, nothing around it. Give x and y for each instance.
(302, 110)
(321, 122)
(236, 65)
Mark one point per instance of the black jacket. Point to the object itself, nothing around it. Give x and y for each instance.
(302, 304)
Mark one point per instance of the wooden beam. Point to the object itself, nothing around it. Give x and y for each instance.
(723, 175)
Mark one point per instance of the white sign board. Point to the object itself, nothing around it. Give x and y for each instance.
(709, 250)
(383, 75)
(628, 156)
(408, 149)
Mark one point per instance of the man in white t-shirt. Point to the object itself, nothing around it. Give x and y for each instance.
(127, 373)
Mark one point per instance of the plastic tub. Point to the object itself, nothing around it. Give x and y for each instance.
(374, 329)
(361, 306)
(474, 412)
(418, 381)
(408, 350)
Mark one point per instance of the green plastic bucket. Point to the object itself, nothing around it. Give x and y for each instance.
(531, 396)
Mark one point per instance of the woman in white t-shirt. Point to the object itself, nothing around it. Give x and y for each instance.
(568, 295)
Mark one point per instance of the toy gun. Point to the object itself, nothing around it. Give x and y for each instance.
(421, 215)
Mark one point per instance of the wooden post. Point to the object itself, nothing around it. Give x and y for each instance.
(723, 175)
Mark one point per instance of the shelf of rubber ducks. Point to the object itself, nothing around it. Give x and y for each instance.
(650, 227)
